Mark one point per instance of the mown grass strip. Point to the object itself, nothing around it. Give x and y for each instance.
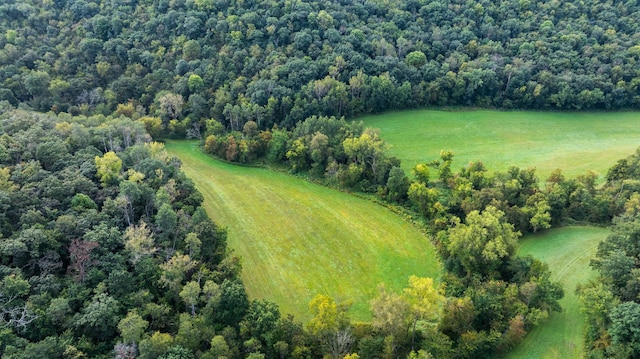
(567, 251)
(298, 239)
(573, 142)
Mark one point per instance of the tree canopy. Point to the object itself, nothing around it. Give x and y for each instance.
(187, 61)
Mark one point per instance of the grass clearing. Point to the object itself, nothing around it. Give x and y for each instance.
(298, 239)
(573, 142)
(567, 251)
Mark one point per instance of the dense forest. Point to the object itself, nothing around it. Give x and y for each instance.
(104, 241)
(280, 62)
(106, 251)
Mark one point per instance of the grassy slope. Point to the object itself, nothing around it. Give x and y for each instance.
(567, 251)
(297, 239)
(574, 142)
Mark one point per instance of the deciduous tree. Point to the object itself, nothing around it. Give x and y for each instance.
(483, 243)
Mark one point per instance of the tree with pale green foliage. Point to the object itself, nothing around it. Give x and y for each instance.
(425, 300)
(108, 168)
(425, 199)
(132, 327)
(195, 83)
(416, 59)
(190, 293)
(330, 324)
(391, 316)
(483, 243)
(175, 270)
(541, 218)
(139, 241)
(366, 151)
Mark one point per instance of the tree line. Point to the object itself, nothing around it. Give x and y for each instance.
(612, 302)
(278, 63)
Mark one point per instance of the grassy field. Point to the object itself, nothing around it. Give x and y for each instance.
(298, 239)
(573, 142)
(567, 251)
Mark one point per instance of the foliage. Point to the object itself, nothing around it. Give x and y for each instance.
(82, 271)
(482, 244)
(188, 61)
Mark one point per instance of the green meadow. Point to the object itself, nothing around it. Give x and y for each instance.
(567, 251)
(298, 239)
(573, 142)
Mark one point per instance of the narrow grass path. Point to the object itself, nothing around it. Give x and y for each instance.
(298, 239)
(573, 142)
(568, 252)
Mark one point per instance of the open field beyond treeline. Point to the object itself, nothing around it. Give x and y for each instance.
(568, 252)
(573, 142)
(298, 239)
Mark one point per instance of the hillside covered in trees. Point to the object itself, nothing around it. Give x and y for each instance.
(104, 247)
(281, 62)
